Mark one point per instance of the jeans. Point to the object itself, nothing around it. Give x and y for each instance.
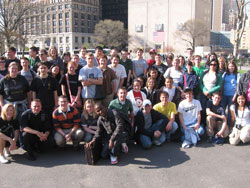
(203, 101)
(146, 141)
(226, 102)
(200, 130)
(174, 128)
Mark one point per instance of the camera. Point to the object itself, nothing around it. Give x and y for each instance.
(238, 126)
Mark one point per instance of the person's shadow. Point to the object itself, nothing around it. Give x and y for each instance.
(165, 156)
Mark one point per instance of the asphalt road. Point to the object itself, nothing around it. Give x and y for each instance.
(166, 166)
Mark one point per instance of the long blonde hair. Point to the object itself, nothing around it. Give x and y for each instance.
(4, 111)
(84, 112)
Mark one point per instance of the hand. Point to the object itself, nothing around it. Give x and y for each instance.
(111, 144)
(44, 137)
(40, 135)
(206, 93)
(157, 134)
(91, 143)
(68, 137)
(169, 127)
(219, 134)
(196, 127)
(12, 144)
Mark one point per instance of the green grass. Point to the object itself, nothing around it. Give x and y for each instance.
(242, 71)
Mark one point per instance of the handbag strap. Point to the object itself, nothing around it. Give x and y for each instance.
(67, 80)
(185, 80)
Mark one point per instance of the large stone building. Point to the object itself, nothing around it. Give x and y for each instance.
(115, 10)
(66, 24)
(153, 24)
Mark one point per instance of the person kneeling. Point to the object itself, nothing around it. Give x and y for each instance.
(110, 131)
(151, 125)
(216, 119)
(36, 129)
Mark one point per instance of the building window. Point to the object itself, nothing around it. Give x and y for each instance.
(76, 29)
(60, 40)
(82, 16)
(66, 29)
(89, 40)
(83, 40)
(76, 22)
(54, 30)
(66, 6)
(54, 23)
(54, 16)
(60, 15)
(60, 29)
(60, 22)
(82, 30)
(89, 17)
(82, 7)
(53, 8)
(59, 7)
(75, 15)
(82, 23)
(75, 6)
(66, 15)
(66, 22)
(76, 39)
(48, 17)
(67, 39)
(54, 40)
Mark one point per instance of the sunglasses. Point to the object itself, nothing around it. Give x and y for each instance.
(213, 64)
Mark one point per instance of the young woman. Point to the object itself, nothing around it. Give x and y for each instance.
(55, 59)
(89, 120)
(74, 83)
(150, 90)
(241, 120)
(175, 72)
(14, 88)
(230, 81)
(136, 96)
(222, 64)
(9, 131)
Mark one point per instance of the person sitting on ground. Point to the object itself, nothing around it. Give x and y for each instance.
(150, 125)
(125, 108)
(110, 133)
(240, 114)
(66, 120)
(36, 128)
(190, 116)
(9, 131)
(169, 110)
(216, 118)
(136, 96)
(89, 120)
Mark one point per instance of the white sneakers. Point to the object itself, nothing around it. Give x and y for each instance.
(113, 159)
(124, 148)
(6, 152)
(3, 160)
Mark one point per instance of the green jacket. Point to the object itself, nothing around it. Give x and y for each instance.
(217, 87)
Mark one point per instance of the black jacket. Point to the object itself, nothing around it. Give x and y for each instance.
(140, 122)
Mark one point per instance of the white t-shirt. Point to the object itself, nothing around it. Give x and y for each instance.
(209, 80)
(120, 73)
(171, 92)
(189, 110)
(243, 118)
(175, 74)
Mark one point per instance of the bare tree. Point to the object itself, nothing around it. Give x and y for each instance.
(110, 34)
(192, 30)
(240, 24)
(12, 14)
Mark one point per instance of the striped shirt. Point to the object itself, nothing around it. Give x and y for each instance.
(66, 120)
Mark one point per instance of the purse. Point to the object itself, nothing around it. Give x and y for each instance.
(93, 154)
(72, 97)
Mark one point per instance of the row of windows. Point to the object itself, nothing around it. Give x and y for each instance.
(82, 40)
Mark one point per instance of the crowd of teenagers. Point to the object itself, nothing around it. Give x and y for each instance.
(48, 101)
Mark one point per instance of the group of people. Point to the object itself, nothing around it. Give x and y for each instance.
(47, 100)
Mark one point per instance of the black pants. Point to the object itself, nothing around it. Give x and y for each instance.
(31, 141)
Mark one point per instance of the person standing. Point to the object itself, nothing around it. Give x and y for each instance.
(140, 65)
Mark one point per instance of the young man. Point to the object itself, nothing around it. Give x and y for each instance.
(66, 121)
(128, 65)
(216, 118)
(169, 110)
(36, 128)
(26, 71)
(44, 87)
(75, 58)
(43, 54)
(159, 65)
(98, 54)
(110, 132)
(124, 107)
(90, 76)
(12, 57)
(34, 58)
(3, 69)
(82, 54)
(151, 126)
(113, 53)
(198, 69)
(152, 54)
(140, 65)
(190, 113)
(109, 83)
(119, 71)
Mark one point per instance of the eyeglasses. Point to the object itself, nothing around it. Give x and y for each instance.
(213, 64)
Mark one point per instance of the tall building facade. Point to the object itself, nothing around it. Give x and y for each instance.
(153, 24)
(115, 10)
(66, 24)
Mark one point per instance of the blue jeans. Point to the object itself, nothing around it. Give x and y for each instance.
(200, 130)
(226, 102)
(147, 141)
(174, 128)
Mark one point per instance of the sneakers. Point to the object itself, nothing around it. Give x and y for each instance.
(124, 148)
(113, 159)
(6, 152)
(30, 156)
(157, 142)
(3, 160)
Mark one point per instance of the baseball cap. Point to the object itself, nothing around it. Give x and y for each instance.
(152, 51)
(146, 102)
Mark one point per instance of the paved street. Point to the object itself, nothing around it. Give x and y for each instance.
(166, 166)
